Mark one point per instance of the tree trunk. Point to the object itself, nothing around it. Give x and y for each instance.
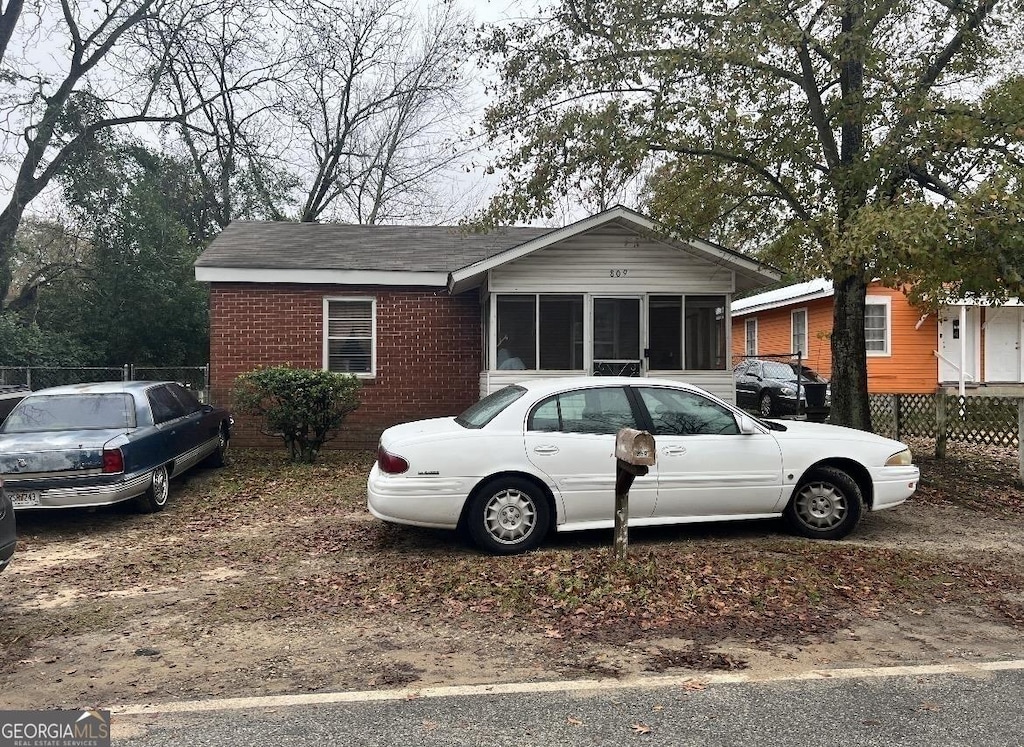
(850, 405)
(9, 221)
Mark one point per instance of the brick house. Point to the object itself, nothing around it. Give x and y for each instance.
(433, 317)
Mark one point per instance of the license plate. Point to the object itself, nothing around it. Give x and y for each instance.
(24, 499)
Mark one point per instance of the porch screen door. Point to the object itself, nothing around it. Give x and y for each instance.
(617, 337)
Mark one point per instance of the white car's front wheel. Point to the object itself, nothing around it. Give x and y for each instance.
(508, 515)
(826, 505)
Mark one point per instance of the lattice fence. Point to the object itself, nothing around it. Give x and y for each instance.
(976, 419)
(982, 420)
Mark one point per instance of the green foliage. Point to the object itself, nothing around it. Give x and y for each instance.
(304, 407)
(29, 345)
(132, 295)
(846, 139)
(734, 113)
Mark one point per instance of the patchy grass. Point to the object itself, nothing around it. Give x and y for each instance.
(263, 541)
(768, 591)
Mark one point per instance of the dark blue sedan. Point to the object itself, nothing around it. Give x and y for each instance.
(8, 530)
(103, 443)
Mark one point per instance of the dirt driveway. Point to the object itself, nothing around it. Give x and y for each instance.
(263, 578)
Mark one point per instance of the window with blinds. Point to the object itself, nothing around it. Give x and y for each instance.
(349, 343)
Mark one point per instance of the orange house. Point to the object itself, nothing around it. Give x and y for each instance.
(902, 342)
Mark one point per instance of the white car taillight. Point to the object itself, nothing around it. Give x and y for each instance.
(390, 463)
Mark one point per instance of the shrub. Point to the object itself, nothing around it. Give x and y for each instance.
(304, 407)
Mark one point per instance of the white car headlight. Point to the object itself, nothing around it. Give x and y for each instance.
(788, 391)
(900, 459)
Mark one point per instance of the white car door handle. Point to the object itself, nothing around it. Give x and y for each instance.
(673, 450)
(545, 450)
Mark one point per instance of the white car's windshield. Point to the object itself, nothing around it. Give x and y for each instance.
(486, 409)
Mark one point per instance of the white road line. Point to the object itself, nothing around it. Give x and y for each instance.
(370, 696)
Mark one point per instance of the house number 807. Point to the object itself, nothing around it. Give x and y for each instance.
(617, 273)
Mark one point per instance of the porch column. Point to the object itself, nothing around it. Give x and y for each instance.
(963, 346)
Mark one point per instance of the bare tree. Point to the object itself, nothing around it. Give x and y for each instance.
(70, 73)
(374, 102)
(316, 108)
(322, 109)
(234, 64)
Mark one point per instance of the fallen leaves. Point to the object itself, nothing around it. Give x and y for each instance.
(641, 728)
(695, 657)
(304, 548)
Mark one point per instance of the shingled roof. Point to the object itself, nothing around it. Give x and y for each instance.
(332, 246)
(424, 256)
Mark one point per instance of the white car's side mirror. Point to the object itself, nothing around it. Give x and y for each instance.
(747, 426)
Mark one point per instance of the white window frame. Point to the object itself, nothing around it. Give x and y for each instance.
(747, 324)
(792, 332)
(325, 343)
(885, 301)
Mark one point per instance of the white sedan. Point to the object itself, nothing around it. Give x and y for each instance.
(541, 455)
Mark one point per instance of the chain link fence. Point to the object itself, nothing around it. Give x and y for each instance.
(196, 378)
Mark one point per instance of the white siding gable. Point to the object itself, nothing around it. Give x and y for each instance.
(611, 260)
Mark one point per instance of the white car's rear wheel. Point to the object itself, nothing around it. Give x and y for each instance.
(508, 515)
(826, 505)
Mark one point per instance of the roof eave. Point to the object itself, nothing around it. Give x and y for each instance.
(213, 274)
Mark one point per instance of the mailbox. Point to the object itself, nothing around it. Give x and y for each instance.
(634, 455)
(635, 447)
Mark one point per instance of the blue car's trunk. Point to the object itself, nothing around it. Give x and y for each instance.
(51, 453)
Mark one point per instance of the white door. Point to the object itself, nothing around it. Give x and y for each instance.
(571, 438)
(1002, 344)
(705, 466)
(950, 344)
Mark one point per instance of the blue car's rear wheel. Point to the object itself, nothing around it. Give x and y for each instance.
(216, 457)
(156, 495)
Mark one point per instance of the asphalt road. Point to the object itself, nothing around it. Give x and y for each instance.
(927, 708)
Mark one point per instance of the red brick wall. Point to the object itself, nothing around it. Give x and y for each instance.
(428, 350)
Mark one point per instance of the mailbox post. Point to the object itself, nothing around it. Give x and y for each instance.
(634, 455)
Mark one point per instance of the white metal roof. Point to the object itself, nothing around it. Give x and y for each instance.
(796, 293)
